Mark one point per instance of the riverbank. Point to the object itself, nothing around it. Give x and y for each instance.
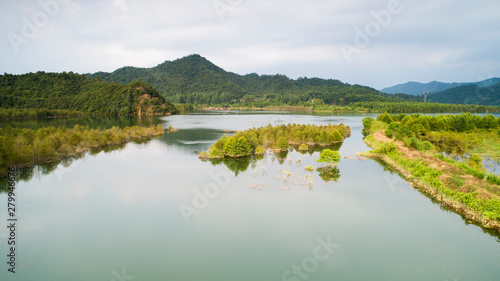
(453, 185)
(26, 148)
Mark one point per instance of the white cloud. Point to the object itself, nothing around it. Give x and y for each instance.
(437, 40)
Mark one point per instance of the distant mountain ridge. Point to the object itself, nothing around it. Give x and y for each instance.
(469, 94)
(194, 79)
(416, 88)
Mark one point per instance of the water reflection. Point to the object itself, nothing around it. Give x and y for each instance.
(27, 173)
(329, 173)
(103, 122)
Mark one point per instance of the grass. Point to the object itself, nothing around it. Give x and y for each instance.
(466, 190)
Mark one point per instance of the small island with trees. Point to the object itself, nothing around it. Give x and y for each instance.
(278, 138)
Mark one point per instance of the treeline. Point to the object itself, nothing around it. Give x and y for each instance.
(26, 147)
(279, 138)
(74, 92)
(460, 123)
(420, 107)
(6, 114)
(450, 133)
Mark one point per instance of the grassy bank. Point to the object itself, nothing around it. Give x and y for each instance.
(464, 187)
(26, 147)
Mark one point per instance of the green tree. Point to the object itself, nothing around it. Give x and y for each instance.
(330, 157)
(282, 144)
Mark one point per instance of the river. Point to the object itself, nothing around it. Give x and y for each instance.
(154, 211)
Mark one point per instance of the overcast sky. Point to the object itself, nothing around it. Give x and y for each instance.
(376, 43)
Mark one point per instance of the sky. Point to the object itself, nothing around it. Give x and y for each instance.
(376, 43)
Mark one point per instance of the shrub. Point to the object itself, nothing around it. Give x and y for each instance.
(403, 132)
(303, 147)
(393, 127)
(386, 117)
(385, 148)
(330, 157)
(259, 151)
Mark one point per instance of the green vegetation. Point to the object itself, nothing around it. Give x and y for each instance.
(25, 147)
(409, 142)
(309, 168)
(42, 94)
(412, 107)
(331, 158)
(453, 134)
(279, 138)
(195, 80)
(303, 147)
(469, 94)
(6, 114)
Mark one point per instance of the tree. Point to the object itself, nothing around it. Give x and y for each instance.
(330, 157)
(282, 144)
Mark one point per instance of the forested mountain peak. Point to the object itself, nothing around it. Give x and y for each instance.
(194, 79)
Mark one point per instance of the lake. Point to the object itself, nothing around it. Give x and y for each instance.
(154, 211)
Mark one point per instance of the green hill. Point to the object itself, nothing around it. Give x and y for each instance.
(469, 94)
(194, 79)
(70, 91)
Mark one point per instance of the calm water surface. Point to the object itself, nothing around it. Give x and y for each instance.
(154, 211)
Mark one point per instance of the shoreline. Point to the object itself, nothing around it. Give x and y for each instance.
(426, 187)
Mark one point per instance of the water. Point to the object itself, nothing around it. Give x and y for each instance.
(154, 211)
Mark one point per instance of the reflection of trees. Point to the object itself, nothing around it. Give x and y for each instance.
(236, 165)
(103, 122)
(329, 173)
(318, 148)
(27, 173)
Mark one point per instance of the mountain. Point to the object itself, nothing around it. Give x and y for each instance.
(71, 91)
(469, 94)
(194, 79)
(416, 88)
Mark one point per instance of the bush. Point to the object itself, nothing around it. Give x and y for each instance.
(385, 148)
(259, 151)
(403, 132)
(386, 118)
(303, 147)
(330, 157)
(393, 127)
(309, 168)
